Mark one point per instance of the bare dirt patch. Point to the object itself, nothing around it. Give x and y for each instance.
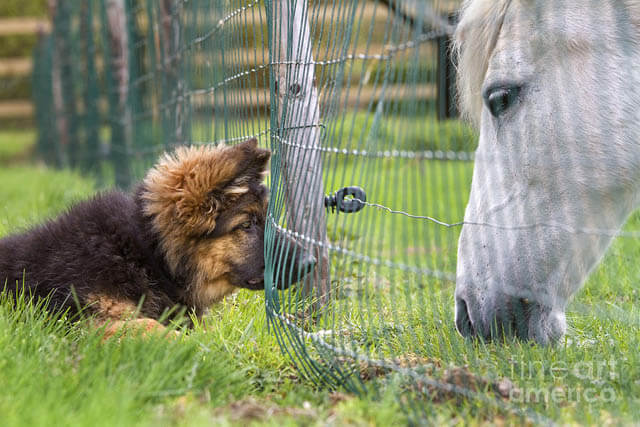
(254, 410)
(431, 381)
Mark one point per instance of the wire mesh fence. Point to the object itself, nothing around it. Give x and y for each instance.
(349, 95)
(121, 81)
(346, 94)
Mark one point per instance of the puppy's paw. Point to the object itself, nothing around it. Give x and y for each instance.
(144, 327)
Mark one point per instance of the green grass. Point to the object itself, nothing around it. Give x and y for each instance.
(361, 130)
(17, 45)
(11, 8)
(231, 367)
(590, 377)
(15, 87)
(593, 371)
(226, 371)
(16, 144)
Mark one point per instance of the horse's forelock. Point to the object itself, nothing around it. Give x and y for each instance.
(475, 39)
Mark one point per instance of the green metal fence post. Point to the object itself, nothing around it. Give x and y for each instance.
(91, 153)
(118, 79)
(65, 54)
(174, 105)
(43, 100)
(57, 87)
(446, 77)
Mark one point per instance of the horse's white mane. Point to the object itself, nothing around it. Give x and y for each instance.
(475, 39)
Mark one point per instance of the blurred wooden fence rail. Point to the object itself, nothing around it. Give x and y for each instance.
(16, 38)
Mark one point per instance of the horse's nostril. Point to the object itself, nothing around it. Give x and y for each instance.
(521, 312)
(463, 320)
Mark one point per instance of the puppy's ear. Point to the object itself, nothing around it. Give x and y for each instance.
(177, 192)
(252, 160)
(250, 167)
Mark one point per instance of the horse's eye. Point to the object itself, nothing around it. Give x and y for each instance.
(500, 99)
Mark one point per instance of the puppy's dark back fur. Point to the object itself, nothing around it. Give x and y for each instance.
(103, 246)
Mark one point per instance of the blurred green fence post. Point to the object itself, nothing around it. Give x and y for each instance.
(61, 119)
(64, 38)
(446, 76)
(91, 117)
(174, 103)
(116, 50)
(137, 87)
(42, 95)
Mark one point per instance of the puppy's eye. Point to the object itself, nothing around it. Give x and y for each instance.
(246, 225)
(500, 99)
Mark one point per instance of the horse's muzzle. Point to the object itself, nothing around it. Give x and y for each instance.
(506, 317)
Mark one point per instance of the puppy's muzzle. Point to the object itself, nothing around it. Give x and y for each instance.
(292, 261)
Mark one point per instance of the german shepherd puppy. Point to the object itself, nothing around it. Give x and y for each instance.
(191, 233)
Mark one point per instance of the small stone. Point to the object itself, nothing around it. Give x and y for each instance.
(506, 388)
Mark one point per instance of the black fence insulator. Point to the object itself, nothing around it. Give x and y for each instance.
(347, 200)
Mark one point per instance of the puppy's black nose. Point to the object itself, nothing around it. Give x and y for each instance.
(307, 263)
